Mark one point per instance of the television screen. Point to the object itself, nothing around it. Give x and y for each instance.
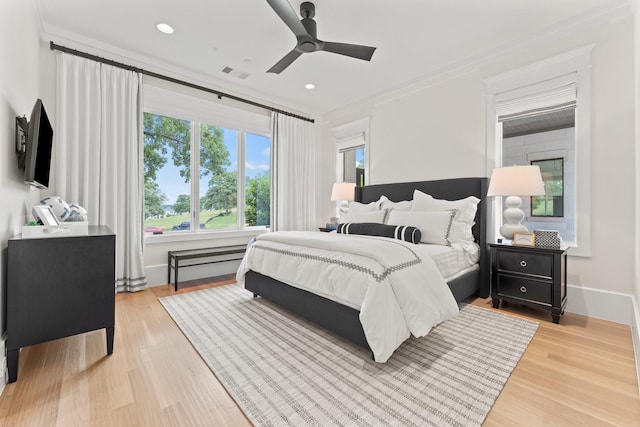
(38, 148)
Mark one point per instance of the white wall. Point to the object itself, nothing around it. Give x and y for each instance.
(437, 130)
(19, 89)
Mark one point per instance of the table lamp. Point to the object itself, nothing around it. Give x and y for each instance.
(343, 192)
(515, 181)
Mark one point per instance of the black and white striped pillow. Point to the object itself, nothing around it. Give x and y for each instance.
(400, 232)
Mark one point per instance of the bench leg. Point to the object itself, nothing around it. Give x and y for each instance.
(175, 277)
(169, 267)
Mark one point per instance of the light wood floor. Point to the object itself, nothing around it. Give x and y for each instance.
(578, 373)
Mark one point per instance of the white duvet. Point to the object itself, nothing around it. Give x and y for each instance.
(397, 291)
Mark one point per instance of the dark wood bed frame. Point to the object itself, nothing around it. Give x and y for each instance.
(344, 320)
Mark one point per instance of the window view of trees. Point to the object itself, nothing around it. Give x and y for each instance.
(552, 203)
(168, 149)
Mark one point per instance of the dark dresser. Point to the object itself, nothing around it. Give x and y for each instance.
(532, 276)
(58, 287)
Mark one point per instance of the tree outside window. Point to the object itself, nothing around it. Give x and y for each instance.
(168, 149)
(552, 203)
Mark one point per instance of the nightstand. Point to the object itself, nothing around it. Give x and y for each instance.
(533, 276)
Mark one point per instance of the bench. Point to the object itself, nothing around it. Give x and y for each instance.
(176, 257)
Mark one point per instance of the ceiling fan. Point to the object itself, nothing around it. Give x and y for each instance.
(306, 35)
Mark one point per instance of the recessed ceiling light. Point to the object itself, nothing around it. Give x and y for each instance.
(165, 28)
(310, 86)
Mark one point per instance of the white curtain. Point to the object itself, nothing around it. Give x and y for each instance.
(293, 176)
(99, 154)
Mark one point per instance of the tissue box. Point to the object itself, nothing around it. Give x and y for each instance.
(547, 239)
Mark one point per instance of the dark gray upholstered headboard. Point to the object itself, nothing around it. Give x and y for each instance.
(449, 189)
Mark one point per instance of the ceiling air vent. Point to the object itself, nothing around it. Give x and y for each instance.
(234, 72)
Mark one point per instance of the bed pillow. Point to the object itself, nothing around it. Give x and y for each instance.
(463, 220)
(385, 203)
(434, 226)
(364, 207)
(399, 232)
(379, 216)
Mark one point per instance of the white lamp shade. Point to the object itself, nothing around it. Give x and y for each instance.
(343, 191)
(516, 181)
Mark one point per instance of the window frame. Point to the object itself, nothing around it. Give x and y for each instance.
(350, 136)
(577, 61)
(200, 108)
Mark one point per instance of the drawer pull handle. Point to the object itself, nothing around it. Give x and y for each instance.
(523, 289)
(523, 263)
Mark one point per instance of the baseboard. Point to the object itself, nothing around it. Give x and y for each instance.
(612, 306)
(4, 377)
(635, 332)
(157, 274)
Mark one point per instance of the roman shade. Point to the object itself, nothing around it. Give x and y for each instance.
(544, 97)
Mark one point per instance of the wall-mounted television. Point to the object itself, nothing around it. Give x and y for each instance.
(38, 145)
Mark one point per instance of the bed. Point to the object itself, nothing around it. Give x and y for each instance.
(344, 320)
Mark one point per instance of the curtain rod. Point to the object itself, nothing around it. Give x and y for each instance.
(219, 94)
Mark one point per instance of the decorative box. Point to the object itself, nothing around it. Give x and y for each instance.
(66, 229)
(547, 238)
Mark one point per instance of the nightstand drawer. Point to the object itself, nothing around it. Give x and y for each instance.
(518, 287)
(527, 263)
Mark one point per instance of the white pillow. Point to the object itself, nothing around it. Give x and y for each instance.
(385, 203)
(364, 207)
(376, 216)
(434, 226)
(465, 213)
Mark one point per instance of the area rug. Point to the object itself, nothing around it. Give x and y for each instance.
(285, 371)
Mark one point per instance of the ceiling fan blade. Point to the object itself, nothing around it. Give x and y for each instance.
(285, 62)
(289, 16)
(352, 50)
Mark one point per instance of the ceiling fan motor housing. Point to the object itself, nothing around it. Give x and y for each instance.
(309, 43)
(307, 9)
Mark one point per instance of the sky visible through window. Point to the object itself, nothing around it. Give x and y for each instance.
(257, 161)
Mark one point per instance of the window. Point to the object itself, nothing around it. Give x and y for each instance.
(352, 152)
(258, 184)
(353, 164)
(199, 175)
(547, 87)
(552, 203)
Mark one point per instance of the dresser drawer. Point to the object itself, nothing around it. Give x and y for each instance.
(519, 287)
(527, 263)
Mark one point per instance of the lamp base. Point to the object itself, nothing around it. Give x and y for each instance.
(344, 207)
(513, 215)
